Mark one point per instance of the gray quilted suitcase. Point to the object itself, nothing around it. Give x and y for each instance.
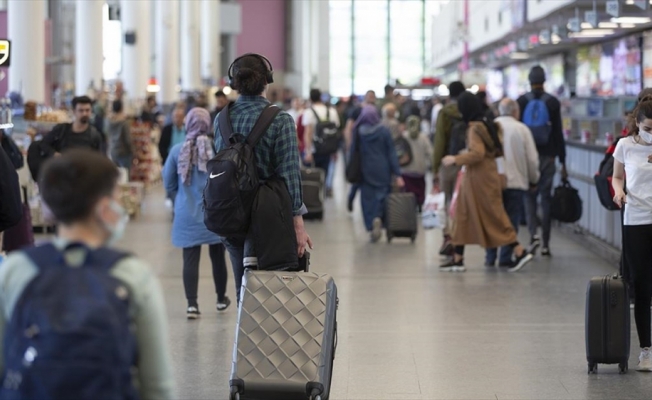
(285, 338)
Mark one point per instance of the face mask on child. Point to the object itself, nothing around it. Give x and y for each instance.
(117, 230)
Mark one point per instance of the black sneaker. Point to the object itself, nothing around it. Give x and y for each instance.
(349, 203)
(521, 261)
(193, 312)
(545, 252)
(446, 248)
(224, 304)
(535, 242)
(453, 266)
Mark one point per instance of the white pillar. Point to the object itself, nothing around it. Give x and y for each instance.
(190, 59)
(89, 56)
(136, 18)
(167, 50)
(26, 20)
(210, 40)
(322, 31)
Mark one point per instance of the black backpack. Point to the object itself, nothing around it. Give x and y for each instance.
(457, 141)
(403, 151)
(566, 203)
(233, 181)
(327, 136)
(603, 178)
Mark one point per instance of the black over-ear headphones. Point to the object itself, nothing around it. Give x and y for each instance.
(269, 70)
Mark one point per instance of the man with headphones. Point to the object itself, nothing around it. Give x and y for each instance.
(277, 152)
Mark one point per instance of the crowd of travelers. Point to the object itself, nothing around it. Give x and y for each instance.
(495, 162)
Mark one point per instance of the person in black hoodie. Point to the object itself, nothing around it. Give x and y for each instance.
(11, 208)
(556, 147)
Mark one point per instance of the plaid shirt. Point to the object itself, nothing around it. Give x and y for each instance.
(277, 152)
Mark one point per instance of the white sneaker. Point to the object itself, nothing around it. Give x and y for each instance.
(376, 230)
(645, 361)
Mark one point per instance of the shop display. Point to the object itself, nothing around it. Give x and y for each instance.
(56, 116)
(131, 197)
(147, 160)
(31, 111)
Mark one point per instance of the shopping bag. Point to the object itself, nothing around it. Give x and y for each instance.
(434, 211)
(456, 193)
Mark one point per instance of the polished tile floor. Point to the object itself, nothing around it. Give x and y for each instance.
(408, 331)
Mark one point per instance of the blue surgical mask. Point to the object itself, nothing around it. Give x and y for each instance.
(645, 136)
(117, 231)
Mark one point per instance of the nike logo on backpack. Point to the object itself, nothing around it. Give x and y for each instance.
(215, 176)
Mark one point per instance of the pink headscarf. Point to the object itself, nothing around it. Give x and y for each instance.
(197, 150)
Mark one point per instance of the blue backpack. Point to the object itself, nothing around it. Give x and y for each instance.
(537, 118)
(71, 335)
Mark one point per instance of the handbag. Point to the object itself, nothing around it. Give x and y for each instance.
(12, 150)
(566, 203)
(458, 185)
(354, 168)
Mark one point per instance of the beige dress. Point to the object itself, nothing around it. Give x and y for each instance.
(480, 217)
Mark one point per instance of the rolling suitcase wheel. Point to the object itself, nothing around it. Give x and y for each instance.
(593, 368)
(235, 395)
(389, 238)
(622, 368)
(413, 238)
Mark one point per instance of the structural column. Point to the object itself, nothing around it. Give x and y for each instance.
(320, 45)
(136, 23)
(26, 30)
(190, 57)
(210, 41)
(167, 49)
(89, 57)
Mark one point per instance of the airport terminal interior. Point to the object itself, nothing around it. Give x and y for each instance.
(423, 312)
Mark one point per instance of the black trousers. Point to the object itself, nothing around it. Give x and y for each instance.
(191, 257)
(637, 247)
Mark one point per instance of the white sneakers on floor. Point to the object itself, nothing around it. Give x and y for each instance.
(376, 230)
(645, 360)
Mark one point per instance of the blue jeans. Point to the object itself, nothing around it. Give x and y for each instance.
(513, 203)
(544, 189)
(239, 248)
(373, 203)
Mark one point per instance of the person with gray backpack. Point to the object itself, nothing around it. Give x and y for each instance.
(541, 112)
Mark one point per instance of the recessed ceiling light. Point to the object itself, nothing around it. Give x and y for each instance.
(608, 25)
(631, 20)
(628, 26)
(519, 56)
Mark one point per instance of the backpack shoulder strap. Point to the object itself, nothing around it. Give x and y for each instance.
(224, 122)
(316, 115)
(529, 96)
(106, 258)
(264, 121)
(44, 255)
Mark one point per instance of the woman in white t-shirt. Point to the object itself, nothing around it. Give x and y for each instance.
(633, 158)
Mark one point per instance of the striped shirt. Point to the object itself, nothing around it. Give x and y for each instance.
(277, 152)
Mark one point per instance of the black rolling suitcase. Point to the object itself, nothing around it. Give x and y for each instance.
(312, 181)
(607, 323)
(401, 216)
(285, 338)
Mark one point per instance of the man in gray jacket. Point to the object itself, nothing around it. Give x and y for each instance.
(521, 168)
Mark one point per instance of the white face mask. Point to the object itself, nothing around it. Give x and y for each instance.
(117, 230)
(645, 136)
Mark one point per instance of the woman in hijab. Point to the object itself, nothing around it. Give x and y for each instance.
(185, 174)
(414, 173)
(379, 165)
(480, 217)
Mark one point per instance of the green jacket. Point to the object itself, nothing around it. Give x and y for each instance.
(443, 134)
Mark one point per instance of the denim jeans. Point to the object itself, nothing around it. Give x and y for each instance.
(513, 203)
(242, 256)
(544, 189)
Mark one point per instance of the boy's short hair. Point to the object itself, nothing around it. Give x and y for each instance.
(73, 183)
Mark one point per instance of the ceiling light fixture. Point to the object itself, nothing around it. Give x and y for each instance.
(627, 26)
(608, 25)
(519, 56)
(631, 20)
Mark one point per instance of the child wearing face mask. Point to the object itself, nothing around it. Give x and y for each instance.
(632, 158)
(84, 321)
